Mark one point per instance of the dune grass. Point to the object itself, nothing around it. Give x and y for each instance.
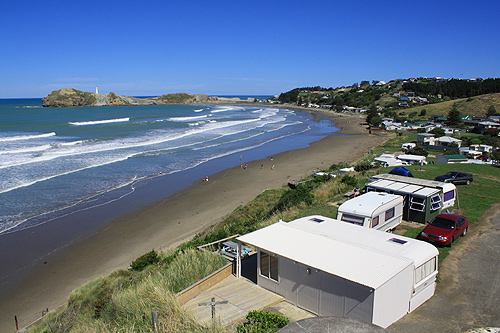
(124, 300)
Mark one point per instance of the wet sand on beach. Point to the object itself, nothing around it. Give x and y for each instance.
(169, 222)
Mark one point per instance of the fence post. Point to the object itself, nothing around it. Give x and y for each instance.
(154, 318)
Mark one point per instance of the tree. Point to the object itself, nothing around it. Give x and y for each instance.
(491, 111)
(423, 113)
(437, 131)
(372, 115)
(454, 116)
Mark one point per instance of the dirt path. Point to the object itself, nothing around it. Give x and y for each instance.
(468, 295)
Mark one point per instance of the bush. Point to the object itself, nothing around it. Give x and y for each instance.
(339, 166)
(350, 180)
(145, 260)
(302, 193)
(418, 151)
(362, 166)
(262, 321)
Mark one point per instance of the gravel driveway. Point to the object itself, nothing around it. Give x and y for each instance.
(468, 294)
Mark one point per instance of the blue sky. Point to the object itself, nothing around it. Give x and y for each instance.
(239, 47)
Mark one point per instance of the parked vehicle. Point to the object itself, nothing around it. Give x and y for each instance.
(455, 177)
(445, 228)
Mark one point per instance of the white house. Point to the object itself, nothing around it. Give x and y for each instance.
(338, 269)
(481, 148)
(425, 138)
(448, 141)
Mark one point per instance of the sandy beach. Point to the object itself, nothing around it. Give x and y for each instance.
(166, 223)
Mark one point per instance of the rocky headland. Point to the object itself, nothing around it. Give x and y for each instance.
(70, 97)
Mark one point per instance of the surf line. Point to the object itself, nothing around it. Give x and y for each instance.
(97, 122)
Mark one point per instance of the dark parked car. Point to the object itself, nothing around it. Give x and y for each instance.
(445, 228)
(455, 177)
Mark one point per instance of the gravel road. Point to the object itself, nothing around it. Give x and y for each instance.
(468, 294)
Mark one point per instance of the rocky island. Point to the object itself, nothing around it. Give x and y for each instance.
(70, 97)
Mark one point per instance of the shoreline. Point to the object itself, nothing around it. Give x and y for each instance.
(173, 220)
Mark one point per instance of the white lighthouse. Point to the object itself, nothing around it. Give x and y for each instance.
(96, 91)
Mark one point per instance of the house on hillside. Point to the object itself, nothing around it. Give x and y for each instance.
(482, 148)
(451, 159)
(448, 141)
(425, 138)
(438, 118)
(332, 268)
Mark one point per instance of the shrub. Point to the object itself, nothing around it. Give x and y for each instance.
(362, 166)
(145, 260)
(350, 180)
(338, 166)
(302, 193)
(417, 151)
(262, 321)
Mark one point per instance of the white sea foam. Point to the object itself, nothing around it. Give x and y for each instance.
(26, 137)
(98, 122)
(199, 110)
(26, 150)
(183, 119)
(226, 108)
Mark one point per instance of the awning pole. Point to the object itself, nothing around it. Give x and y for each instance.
(238, 260)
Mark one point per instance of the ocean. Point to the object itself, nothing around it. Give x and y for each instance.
(55, 161)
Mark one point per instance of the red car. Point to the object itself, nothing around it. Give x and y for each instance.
(445, 228)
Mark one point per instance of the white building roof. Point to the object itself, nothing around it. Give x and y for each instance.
(388, 161)
(408, 157)
(362, 255)
(425, 192)
(448, 139)
(366, 203)
(395, 186)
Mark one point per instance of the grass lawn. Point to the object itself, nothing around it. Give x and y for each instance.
(472, 200)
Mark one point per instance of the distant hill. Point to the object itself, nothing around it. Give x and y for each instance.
(403, 96)
(472, 106)
(70, 97)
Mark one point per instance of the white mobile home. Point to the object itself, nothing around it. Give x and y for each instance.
(338, 269)
(412, 159)
(377, 210)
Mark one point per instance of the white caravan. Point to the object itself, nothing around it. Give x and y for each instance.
(377, 210)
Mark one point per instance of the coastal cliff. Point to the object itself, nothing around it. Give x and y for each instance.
(70, 97)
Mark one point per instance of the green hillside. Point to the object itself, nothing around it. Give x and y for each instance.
(473, 106)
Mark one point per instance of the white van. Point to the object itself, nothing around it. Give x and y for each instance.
(377, 210)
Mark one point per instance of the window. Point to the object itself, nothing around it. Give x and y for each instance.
(358, 220)
(435, 202)
(389, 214)
(398, 241)
(375, 222)
(268, 266)
(417, 203)
(425, 270)
(449, 195)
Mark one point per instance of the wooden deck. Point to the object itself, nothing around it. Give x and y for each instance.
(242, 296)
